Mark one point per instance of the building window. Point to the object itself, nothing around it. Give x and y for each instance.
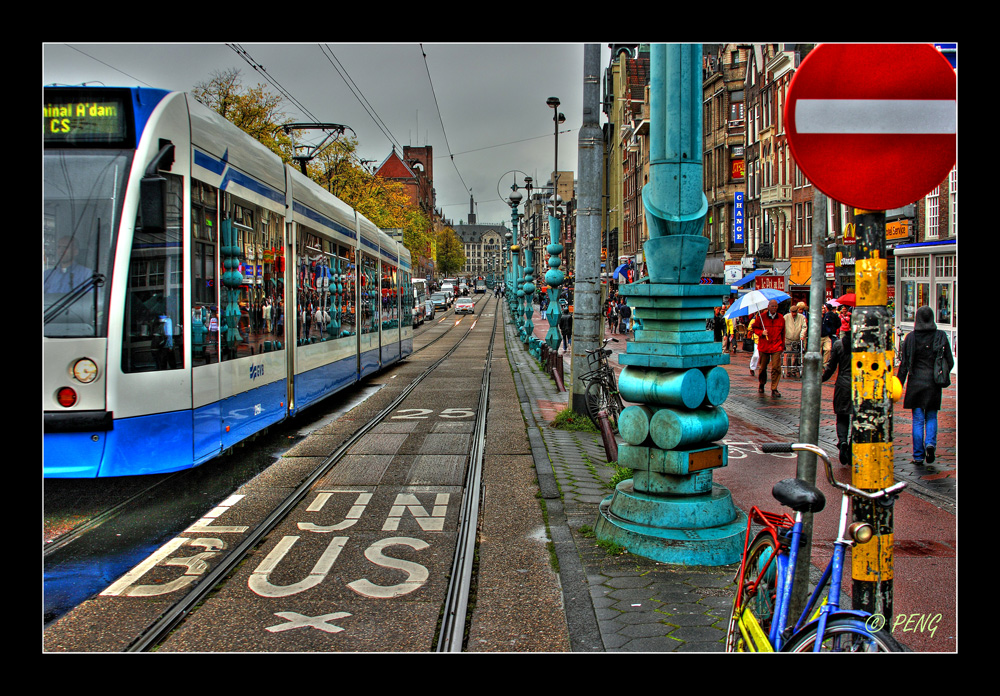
(953, 201)
(933, 217)
(809, 222)
(945, 276)
(914, 285)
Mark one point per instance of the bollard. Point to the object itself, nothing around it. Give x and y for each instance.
(608, 437)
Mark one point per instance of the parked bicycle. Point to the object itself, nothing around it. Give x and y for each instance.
(601, 394)
(759, 620)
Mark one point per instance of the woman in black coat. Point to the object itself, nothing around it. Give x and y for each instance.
(840, 361)
(923, 395)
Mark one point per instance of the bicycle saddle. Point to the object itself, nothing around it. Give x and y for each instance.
(799, 495)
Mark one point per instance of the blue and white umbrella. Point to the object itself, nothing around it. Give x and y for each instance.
(620, 272)
(754, 301)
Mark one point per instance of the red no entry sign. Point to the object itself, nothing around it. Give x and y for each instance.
(873, 126)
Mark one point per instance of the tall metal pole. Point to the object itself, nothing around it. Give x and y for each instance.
(809, 410)
(871, 421)
(587, 269)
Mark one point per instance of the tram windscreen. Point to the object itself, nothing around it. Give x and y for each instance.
(82, 199)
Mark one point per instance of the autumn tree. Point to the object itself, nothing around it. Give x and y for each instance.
(254, 110)
(450, 252)
(335, 166)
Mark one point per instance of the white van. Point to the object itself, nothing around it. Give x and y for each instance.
(449, 290)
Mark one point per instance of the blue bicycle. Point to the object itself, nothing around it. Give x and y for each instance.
(759, 620)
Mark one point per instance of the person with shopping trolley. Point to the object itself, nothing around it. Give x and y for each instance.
(795, 334)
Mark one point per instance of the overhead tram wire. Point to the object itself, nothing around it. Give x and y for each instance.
(242, 52)
(349, 81)
(443, 131)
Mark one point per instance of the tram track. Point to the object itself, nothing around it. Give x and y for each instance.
(94, 520)
(453, 614)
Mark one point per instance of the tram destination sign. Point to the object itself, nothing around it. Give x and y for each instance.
(873, 126)
(70, 119)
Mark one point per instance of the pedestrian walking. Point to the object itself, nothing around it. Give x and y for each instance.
(770, 330)
(624, 314)
(566, 325)
(926, 359)
(828, 329)
(613, 317)
(840, 362)
(795, 334)
(845, 318)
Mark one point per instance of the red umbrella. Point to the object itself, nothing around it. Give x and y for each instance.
(847, 299)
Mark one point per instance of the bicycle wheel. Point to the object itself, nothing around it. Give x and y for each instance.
(755, 601)
(844, 635)
(599, 399)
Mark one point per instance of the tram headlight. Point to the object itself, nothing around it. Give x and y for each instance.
(66, 396)
(85, 370)
(861, 532)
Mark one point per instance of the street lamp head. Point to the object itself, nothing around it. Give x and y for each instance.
(561, 119)
(552, 101)
(515, 199)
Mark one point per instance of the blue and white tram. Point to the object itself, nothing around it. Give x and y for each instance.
(196, 290)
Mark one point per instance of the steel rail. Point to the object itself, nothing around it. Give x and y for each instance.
(451, 637)
(170, 619)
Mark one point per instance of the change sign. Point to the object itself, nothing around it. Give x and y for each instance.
(873, 126)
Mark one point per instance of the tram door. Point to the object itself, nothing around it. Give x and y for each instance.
(205, 320)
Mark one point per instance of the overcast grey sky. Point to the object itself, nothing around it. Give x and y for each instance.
(481, 106)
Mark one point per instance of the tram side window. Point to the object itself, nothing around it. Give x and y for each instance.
(153, 333)
(348, 323)
(369, 316)
(204, 300)
(313, 278)
(390, 299)
(252, 292)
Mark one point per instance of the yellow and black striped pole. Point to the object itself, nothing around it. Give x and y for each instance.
(871, 425)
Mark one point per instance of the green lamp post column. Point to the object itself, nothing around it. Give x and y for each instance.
(671, 510)
(554, 277)
(529, 290)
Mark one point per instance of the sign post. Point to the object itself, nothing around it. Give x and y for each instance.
(872, 126)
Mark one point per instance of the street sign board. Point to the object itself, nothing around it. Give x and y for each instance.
(873, 126)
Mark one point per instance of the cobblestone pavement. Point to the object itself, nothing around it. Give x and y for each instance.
(640, 605)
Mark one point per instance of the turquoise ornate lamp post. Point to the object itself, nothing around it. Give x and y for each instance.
(671, 510)
(554, 277)
(528, 288)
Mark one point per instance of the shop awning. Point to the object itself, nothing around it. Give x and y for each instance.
(748, 277)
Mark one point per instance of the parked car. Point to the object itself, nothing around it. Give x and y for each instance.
(440, 301)
(465, 305)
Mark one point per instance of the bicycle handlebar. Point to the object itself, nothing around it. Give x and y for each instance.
(770, 447)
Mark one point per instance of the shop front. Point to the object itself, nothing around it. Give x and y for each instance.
(927, 275)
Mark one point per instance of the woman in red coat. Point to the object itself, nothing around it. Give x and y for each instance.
(770, 327)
